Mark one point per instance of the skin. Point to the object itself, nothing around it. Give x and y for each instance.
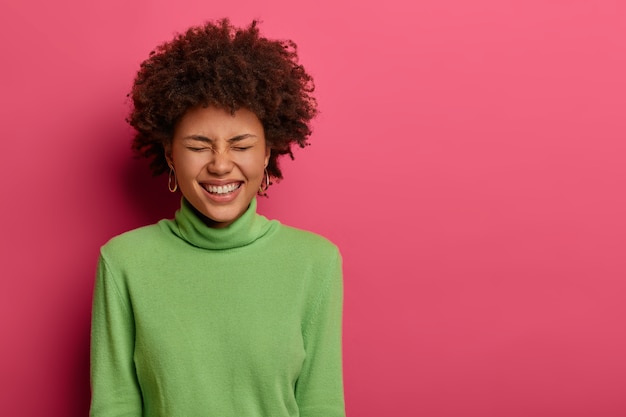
(213, 150)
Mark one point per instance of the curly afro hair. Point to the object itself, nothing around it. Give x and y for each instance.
(220, 65)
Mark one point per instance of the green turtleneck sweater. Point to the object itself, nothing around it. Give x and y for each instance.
(191, 321)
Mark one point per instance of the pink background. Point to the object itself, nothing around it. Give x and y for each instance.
(469, 161)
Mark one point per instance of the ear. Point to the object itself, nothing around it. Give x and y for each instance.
(268, 152)
(168, 154)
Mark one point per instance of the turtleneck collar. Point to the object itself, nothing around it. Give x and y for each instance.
(188, 226)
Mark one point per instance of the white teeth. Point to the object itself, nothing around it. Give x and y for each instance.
(222, 189)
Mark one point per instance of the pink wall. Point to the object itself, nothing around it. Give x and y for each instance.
(469, 161)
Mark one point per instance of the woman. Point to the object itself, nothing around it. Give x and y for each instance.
(220, 311)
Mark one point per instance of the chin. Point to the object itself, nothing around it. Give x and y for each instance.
(222, 218)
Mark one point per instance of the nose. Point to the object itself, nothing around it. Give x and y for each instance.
(220, 163)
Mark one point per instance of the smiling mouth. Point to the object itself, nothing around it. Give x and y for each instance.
(222, 189)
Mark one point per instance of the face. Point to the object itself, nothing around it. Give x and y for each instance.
(219, 160)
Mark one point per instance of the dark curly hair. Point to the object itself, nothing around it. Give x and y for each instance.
(220, 65)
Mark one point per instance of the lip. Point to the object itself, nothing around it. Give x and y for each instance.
(221, 198)
(219, 182)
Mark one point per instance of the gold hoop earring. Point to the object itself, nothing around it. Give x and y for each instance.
(262, 189)
(171, 178)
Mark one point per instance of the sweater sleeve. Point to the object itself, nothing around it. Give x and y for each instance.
(319, 389)
(114, 386)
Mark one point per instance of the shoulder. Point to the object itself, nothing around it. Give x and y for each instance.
(128, 244)
(299, 241)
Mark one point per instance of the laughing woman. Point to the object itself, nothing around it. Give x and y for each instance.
(218, 312)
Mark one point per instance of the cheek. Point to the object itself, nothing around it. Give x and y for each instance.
(188, 161)
(249, 162)
(256, 167)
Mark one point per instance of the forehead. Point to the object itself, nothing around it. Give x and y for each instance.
(217, 123)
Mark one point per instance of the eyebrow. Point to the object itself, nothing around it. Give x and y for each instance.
(209, 140)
